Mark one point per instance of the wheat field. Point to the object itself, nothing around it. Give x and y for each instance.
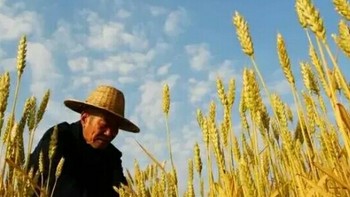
(280, 149)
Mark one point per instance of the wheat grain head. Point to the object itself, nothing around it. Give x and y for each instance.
(284, 59)
(343, 8)
(242, 31)
(21, 55)
(166, 99)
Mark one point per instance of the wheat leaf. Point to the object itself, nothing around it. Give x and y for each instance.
(317, 188)
(330, 174)
(151, 156)
(344, 115)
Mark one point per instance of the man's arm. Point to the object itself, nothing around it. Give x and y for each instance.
(119, 177)
(116, 166)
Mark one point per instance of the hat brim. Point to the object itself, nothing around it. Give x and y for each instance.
(79, 106)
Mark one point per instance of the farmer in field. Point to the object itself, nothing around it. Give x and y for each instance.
(92, 165)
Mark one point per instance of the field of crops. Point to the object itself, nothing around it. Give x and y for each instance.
(281, 150)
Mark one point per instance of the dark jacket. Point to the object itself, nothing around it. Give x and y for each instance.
(87, 172)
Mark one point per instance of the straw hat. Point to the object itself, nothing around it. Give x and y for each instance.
(107, 99)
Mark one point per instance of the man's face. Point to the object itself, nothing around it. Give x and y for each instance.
(98, 129)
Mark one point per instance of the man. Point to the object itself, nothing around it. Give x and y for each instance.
(92, 165)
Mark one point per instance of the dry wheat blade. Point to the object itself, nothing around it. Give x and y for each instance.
(344, 115)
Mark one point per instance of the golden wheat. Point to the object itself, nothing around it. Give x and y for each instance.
(166, 99)
(303, 155)
(21, 55)
(197, 159)
(231, 94)
(242, 31)
(284, 60)
(343, 8)
(307, 11)
(343, 38)
(221, 91)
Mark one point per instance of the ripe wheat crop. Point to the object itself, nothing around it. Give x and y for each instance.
(276, 152)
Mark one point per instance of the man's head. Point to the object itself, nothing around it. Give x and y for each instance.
(99, 128)
(102, 115)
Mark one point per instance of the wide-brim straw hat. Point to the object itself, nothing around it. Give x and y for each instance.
(107, 99)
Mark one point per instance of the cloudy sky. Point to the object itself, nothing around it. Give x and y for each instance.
(138, 46)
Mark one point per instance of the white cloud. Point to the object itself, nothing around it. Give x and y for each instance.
(88, 83)
(163, 70)
(157, 10)
(175, 22)
(122, 13)
(44, 74)
(281, 87)
(171, 81)
(9, 64)
(225, 71)
(161, 47)
(125, 80)
(199, 55)
(190, 134)
(150, 107)
(13, 26)
(123, 63)
(183, 145)
(197, 90)
(58, 112)
(40, 59)
(78, 64)
(108, 35)
(149, 110)
(63, 39)
(105, 36)
(82, 81)
(2, 53)
(104, 81)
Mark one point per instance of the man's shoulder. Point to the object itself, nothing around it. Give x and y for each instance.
(65, 134)
(63, 126)
(63, 130)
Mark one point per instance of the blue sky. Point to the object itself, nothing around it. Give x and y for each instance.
(138, 46)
